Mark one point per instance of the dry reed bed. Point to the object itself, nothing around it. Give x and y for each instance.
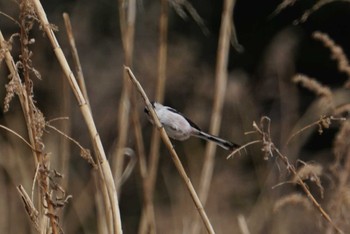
(47, 195)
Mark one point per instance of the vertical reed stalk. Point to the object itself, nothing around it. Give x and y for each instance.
(219, 95)
(146, 220)
(127, 25)
(104, 168)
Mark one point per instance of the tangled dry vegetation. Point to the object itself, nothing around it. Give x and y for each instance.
(271, 184)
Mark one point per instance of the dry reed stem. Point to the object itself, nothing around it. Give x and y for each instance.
(148, 221)
(105, 170)
(307, 191)
(127, 24)
(75, 56)
(105, 219)
(18, 88)
(173, 153)
(46, 211)
(219, 94)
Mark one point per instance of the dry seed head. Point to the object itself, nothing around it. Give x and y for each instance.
(337, 52)
(313, 85)
(39, 123)
(12, 88)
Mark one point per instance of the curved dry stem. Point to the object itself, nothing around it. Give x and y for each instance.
(243, 147)
(19, 136)
(84, 153)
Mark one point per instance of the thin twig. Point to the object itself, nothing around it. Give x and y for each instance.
(323, 122)
(242, 147)
(76, 60)
(19, 136)
(173, 153)
(85, 153)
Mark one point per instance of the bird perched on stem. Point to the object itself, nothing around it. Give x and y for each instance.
(178, 127)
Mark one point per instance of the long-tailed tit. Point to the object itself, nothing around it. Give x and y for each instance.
(178, 127)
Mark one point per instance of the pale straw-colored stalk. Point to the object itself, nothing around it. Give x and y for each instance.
(147, 218)
(219, 94)
(127, 17)
(104, 168)
(104, 218)
(75, 56)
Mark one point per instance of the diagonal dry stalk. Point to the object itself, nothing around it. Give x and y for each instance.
(147, 218)
(269, 149)
(105, 219)
(104, 168)
(220, 90)
(173, 154)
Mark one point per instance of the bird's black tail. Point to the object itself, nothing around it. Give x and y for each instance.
(227, 145)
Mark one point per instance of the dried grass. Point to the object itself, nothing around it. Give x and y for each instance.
(227, 189)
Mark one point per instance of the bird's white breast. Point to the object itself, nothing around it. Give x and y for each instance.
(176, 126)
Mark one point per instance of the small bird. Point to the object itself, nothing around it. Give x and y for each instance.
(178, 127)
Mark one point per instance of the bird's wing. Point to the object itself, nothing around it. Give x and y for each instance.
(188, 120)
